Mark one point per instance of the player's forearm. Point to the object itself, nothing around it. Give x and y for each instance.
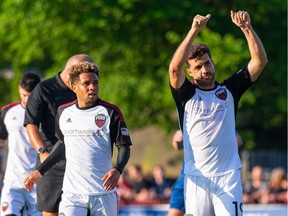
(122, 158)
(176, 72)
(181, 54)
(258, 55)
(55, 155)
(35, 136)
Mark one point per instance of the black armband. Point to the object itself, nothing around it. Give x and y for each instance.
(55, 155)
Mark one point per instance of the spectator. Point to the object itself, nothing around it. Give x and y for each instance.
(139, 184)
(160, 187)
(254, 188)
(276, 191)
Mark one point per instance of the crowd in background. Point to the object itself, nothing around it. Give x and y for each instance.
(134, 187)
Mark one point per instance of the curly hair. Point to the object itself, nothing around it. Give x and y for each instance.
(197, 51)
(82, 67)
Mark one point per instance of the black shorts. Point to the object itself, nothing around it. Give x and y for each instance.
(49, 188)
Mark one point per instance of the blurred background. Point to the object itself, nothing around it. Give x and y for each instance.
(132, 41)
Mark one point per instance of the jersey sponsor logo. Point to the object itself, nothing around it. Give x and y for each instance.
(76, 132)
(4, 206)
(124, 132)
(100, 120)
(101, 133)
(221, 94)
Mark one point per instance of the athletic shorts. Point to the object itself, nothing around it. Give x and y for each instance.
(49, 188)
(177, 195)
(220, 195)
(79, 204)
(17, 201)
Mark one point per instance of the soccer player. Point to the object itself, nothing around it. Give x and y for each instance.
(40, 125)
(22, 157)
(207, 112)
(87, 130)
(177, 204)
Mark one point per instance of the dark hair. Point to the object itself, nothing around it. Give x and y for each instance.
(29, 81)
(196, 51)
(82, 67)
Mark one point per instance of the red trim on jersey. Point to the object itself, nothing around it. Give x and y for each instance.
(10, 105)
(105, 103)
(66, 104)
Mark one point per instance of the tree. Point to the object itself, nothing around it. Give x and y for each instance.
(133, 41)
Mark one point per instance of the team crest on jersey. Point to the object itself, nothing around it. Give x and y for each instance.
(4, 206)
(221, 94)
(100, 120)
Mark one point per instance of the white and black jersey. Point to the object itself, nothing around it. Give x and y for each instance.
(207, 120)
(22, 157)
(89, 135)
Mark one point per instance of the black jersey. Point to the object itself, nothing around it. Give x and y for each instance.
(42, 106)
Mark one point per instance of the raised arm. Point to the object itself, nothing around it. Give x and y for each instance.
(176, 72)
(256, 48)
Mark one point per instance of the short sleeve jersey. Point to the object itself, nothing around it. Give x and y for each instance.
(89, 135)
(42, 106)
(207, 120)
(22, 157)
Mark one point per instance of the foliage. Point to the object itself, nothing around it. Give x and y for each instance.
(133, 41)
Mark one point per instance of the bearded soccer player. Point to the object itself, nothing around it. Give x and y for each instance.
(207, 112)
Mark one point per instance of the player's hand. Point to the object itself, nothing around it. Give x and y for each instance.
(241, 19)
(199, 22)
(111, 179)
(31, 179)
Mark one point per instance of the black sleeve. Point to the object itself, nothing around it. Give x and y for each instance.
(239, 82)
(120, 136)
(180, 145)
(123, 157)
(184, 93)
(3, 130)
(55, 155)
(35, 107)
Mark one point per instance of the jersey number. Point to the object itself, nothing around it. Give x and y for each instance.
(236, 208)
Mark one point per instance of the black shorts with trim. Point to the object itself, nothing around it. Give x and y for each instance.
(49, 188)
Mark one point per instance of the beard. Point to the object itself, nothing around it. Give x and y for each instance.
(207, 82)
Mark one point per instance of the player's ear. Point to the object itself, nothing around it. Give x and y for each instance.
(189, 72)
(73, 87)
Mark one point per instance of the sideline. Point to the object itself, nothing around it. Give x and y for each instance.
(161, 210)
